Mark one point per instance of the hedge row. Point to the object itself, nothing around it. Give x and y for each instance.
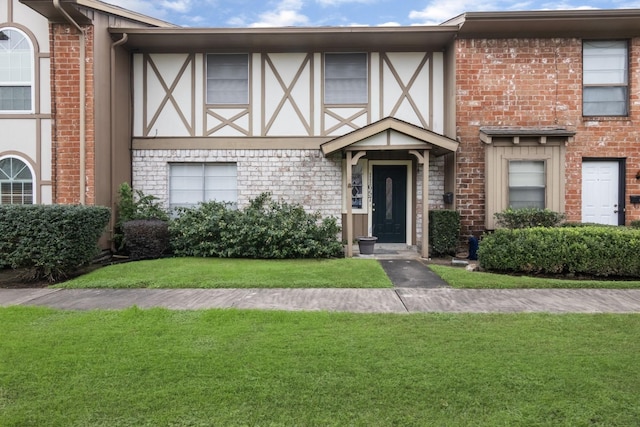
(588, 250)
(528, 217)
(264, 229)
(51, 240)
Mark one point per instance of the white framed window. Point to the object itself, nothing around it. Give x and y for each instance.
(16, 182)
(527, 184)
(16, 71)
(605, 78)
(228, 78)
(192, 183)
(345, 78)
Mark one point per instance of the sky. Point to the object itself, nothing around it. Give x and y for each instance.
(314, 13)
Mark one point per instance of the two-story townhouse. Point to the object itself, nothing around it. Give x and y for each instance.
(64, 101)
(548, 114)
(25, 106)
(341, 120)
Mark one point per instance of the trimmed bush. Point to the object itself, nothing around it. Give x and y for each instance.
(585, 224)
(444, 231)
(146, 238)
(264, 229)
(134, 205)
(528, 217)
(594, 251)
(635, 223)
(52, 241)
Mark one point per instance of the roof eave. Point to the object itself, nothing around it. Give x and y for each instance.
(289, 39)
(560, 23)
(47, 9)
(442, 144)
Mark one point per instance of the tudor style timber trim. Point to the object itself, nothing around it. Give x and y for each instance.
(229, 143)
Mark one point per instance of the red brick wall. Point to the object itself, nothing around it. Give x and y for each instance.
(65, 88)
(536, 82)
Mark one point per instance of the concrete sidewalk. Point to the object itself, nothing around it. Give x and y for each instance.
(396, 300)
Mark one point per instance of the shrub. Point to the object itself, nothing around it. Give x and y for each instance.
(264, 229)
(444, 231)
(134, 205)
(574, 224)
(204, 230)
(528, 217)
(635, 223)
(52, 241)
(146, 238)
(596, 251)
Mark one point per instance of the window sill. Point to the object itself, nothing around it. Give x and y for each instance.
(606, 118)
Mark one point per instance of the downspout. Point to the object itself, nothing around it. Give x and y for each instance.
(82, 106)
(112, 153)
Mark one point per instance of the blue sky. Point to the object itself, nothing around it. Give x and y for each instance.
(282, 13)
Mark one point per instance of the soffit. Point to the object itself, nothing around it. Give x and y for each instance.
(592, 23)
(293, 39)
(438, 144)
(47, 9)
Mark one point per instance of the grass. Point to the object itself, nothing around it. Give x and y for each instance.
(236, 273)
(460, 278)
(226, 367)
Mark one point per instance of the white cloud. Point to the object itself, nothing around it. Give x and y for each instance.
(281, 18)
(339, 2)
(286, 14)
(180, 6)
(439, 11)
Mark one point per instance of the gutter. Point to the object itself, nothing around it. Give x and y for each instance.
(82, 106)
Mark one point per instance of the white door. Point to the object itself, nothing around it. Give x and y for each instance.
(600, 188)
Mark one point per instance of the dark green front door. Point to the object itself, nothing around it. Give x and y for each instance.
(390, 203)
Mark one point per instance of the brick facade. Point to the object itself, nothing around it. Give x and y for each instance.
(295, 176)
(536, 82)
(65, 92)
(305, 177)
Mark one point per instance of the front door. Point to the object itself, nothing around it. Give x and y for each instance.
(389, 217)
(601, 202)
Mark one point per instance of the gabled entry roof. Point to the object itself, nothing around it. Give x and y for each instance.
(363, 139)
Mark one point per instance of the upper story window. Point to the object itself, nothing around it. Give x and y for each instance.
(605, 78)
(227, 78)
(16, 182)
(526, 184)
(16, 71)
(345, 78)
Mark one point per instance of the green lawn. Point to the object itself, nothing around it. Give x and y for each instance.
(236, 273)
(460, 278)
(227, 367)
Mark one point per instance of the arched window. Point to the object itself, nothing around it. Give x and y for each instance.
(16, 182)
(16, 71)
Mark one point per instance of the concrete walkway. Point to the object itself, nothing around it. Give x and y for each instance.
(396, 300)
(416, 290)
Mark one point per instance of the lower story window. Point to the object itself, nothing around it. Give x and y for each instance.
(16, 182)
(526, 184)
(193, 183)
